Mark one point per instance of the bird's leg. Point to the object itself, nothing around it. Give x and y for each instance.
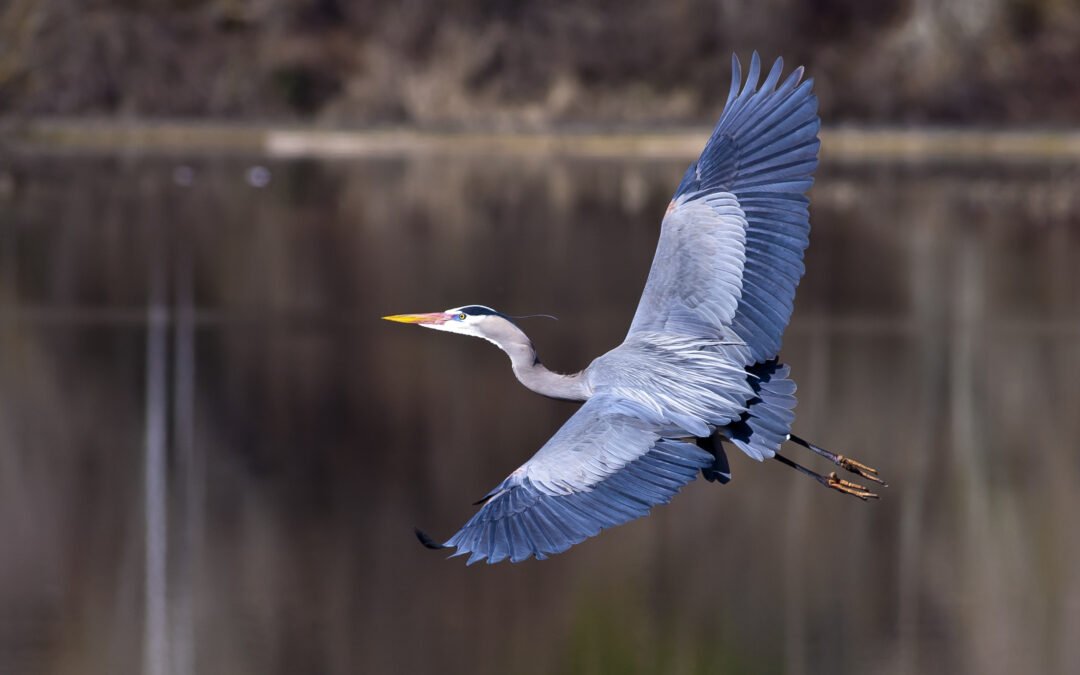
(830, 481)
(720, 470)
(854, 466)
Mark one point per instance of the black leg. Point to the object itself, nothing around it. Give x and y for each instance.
(830, 481)
(854, 466)
(719, 471)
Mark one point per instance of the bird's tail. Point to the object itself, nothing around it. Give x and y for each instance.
(765, 425)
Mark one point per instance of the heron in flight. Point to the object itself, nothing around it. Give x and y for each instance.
(699, 366)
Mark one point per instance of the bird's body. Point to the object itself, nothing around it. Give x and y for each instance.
(699, 365)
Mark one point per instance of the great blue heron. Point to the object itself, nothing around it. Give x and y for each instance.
(699, 365)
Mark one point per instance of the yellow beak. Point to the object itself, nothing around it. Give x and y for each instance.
(434, 317)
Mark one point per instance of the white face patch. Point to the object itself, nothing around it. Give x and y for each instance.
(462, 322)
(458, 321)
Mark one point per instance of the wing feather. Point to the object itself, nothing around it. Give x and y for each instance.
(695, 281)
(758, 163)
(603, 468)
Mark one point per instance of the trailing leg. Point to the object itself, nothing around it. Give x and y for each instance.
(846, 463)
(719, 471)
(830, 481)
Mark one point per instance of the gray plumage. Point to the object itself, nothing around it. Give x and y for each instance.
(699, 360)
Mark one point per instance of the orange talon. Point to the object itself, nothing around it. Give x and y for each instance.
(849, 488)
(857, 467)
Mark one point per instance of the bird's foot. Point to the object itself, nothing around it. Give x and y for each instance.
(854, 466)
(830, 481)
(848, 488)
(858, 468)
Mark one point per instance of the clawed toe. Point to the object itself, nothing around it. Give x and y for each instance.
(832, 480)
(860, 469)
(849, 488)
(854, 466)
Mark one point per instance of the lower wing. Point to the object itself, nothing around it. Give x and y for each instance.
(604, 467)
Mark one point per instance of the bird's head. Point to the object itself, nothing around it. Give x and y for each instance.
(475, 320)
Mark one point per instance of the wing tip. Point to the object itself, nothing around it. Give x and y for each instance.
(428, 542)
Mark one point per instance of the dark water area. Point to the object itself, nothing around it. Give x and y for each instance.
(213, 452)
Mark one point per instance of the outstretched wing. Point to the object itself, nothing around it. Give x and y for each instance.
(710, 280)
(696, 275)
(606, 466)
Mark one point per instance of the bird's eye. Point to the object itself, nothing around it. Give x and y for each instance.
(461, 317)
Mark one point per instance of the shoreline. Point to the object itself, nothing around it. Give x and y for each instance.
(279, 141)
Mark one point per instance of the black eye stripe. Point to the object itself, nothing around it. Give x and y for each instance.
(479, 310)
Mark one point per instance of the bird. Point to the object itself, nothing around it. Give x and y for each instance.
(699, 367)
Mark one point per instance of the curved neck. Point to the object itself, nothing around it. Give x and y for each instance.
(531, 373)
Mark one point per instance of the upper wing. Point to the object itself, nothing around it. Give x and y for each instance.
(604, 467)
(753, 172)
(696, 276)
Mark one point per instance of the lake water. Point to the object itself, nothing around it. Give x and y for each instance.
(229, 483)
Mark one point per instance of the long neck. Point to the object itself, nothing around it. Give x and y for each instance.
(531, 373)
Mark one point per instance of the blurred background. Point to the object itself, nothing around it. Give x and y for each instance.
(479, 63)
(213, 453)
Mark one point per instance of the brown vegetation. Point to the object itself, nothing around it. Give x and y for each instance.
(485, 63)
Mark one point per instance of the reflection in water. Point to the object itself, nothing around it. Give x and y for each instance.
(936, 337)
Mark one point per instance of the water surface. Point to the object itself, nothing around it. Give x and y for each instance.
(290, 440)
